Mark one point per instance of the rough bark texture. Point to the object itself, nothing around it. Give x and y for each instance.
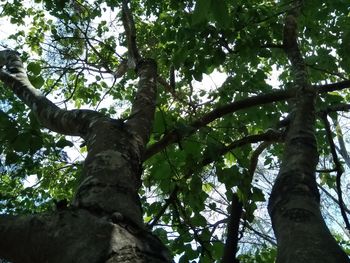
(73, 122)
(75, 235)
(104, 222)
(294, 204)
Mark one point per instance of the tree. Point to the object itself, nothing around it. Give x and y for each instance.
(165, 161)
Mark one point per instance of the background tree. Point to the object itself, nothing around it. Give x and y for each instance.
(170, 160)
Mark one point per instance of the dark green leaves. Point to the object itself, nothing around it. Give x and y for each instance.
(27, 142)
(201, 11)
(215, 10)
(61, 143)
(34, 68)
(37, 81)
(220, 13)
(345, 49)
(11, 158)
(230, 176)
(257, 195)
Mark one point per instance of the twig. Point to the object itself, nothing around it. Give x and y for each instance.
(339, 169)
(160, 213)
(335, 200)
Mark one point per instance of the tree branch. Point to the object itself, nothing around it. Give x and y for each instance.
(174, 136)
(74, 122)
(143, 108)
(339, 169)
(168, 201)
(144, 105)
(130, 32)
(300, 155)
(257, 100)
(337, 107)
(231, 244)
(333, 86)
(267, 238)
(268, 137)
(342, 148)
(335, 200)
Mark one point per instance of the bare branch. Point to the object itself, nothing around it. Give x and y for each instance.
(333, 86)
(339, 169)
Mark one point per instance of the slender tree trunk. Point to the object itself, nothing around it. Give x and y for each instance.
(294, 204)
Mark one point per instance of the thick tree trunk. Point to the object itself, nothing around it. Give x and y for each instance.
(74, 236)
(294, 205)
(104, 223)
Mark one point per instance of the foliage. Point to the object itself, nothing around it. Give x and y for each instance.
(73, 49)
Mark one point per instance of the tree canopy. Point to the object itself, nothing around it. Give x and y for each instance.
(231, 79)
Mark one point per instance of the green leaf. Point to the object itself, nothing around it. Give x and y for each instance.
(61, 143)
(34, 123)
(199, 220)
(22, 142)
(345, 50)
(196, 184)
(180, 56)
(184, 259)
(37, 82)
(192, 149)
(154, 207)
(27, 142)
(218, 249)
(159, 124)
(190, 253)
(258, 195)
(161, 233)
(220, 13)
(11, 158)
(201, 11)
(183, 129)
(328, 179)
(212, 150)
(162, 173)
(219, 57)
(36, 142)
(230, 176)
(34, 67)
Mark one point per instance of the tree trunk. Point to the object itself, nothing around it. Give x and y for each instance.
(104, 223)
(294, 205)
(76, 235)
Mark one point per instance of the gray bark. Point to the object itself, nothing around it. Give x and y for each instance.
(104, 222)
(294, 204)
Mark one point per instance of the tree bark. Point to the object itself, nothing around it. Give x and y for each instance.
(104, 223)
(294, 205)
